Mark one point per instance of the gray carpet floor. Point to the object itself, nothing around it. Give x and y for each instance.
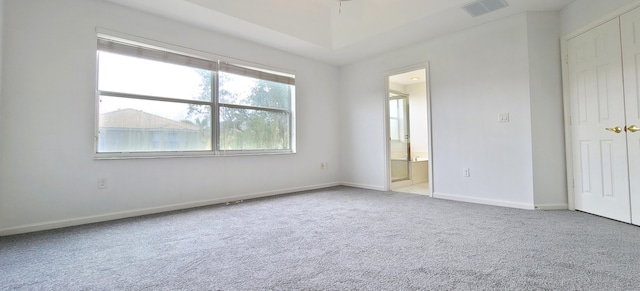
(338, 238)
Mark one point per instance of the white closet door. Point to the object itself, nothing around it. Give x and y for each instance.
(597, 102)
(630, 30)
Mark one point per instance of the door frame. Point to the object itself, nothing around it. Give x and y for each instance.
(564, 41)
(385, 102)
(407, 114)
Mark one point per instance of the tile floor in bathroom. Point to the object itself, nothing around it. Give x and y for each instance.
(422, 189)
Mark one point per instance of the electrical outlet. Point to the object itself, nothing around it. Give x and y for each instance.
(466, 172)
(102, 183)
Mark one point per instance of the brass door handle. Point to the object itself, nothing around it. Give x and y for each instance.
(616, 129)
(633, 128)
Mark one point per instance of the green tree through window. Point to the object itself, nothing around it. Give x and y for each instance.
(254, 114)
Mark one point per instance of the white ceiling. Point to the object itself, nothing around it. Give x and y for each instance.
(409, 78)
(317, 29)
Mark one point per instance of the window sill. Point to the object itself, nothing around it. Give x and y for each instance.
(195, 154)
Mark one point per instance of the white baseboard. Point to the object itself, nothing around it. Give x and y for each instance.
(552, 206)
(151, 210)
(477, 200)
(363, 186)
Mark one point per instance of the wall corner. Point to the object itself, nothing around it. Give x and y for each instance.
(546, 104)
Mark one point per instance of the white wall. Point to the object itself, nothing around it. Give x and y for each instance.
(583, 12)
(507, 66)
(48, 176)
(3, 201)
(418, 115)
(549, 167)
(475, 75)
(397, 87)
(1, 44)
(1, 32)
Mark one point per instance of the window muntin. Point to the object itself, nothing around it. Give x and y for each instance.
(151, 101)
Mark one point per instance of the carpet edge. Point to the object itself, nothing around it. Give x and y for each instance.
(152, 210)
(484, 201)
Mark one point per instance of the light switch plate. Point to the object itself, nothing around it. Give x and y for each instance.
(503, 117)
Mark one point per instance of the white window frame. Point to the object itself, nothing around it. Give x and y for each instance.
(142, 50)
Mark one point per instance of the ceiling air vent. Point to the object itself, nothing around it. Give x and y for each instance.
(481, 7)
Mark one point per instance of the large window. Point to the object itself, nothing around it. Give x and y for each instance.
(154, 102)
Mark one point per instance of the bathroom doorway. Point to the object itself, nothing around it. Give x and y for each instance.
(408, 125)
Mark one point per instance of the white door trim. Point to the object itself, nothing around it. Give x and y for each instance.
(385, 100)
(565, 90)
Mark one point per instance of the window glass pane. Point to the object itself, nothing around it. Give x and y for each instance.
(241, 90)
(393, 108)
(394, 133)
(248, 129)
(401, 108)
(124, 74)
(135, 125)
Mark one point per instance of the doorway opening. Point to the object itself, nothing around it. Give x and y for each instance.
(408, 128)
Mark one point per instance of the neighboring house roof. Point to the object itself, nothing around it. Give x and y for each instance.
(132, 118)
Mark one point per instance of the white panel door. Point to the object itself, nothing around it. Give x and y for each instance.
(597, 102)
(630, 30)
